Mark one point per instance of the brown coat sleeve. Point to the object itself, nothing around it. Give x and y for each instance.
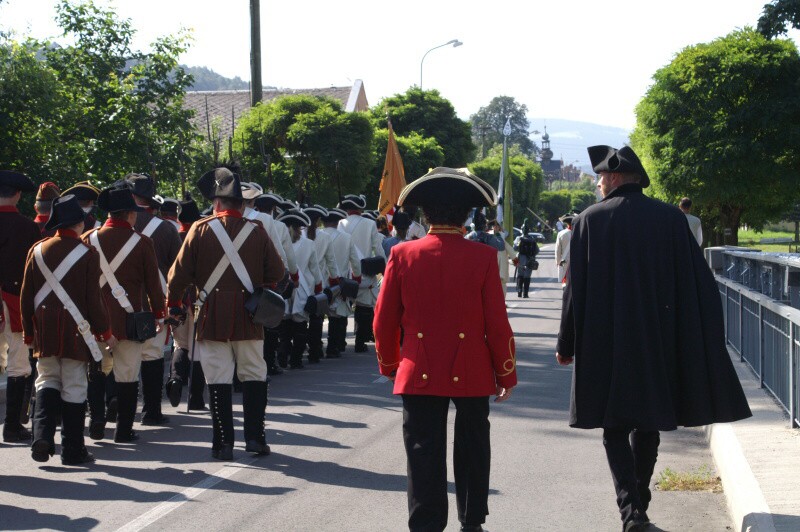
(26, 297)
(152, 283)
(182, 273)
(97, 312)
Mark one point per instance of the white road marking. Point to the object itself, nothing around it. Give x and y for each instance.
(380, 380)
(151, 516)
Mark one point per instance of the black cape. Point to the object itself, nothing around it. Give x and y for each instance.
(643, 318)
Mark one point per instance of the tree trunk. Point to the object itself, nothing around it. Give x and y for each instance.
(730, 216)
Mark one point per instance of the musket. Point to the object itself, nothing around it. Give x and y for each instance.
(338, 178)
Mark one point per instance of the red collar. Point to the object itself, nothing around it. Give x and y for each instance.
(41, 218)
(352, 212)
(66, 233)
(185, 228)
(231, 212)
(117, 223)
(8, 208)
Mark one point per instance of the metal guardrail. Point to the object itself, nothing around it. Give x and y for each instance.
(764, 330)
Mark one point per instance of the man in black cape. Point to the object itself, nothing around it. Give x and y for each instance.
(642, 319)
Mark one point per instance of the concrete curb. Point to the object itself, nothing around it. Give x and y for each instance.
(746, 504)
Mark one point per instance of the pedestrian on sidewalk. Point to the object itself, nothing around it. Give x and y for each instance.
(458, 346)
(695, 224)
(644, 327)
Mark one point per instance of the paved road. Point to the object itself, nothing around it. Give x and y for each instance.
(337, 459)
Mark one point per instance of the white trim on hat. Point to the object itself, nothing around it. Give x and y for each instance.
(450, 173)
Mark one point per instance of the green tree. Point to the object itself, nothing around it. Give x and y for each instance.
(581, 199)
(526, 184)
(553, 204)
(775, 16)
(431, 116)
(310, 144)
(719, 124)
(488, 123)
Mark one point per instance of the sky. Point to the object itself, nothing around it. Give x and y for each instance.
(581, 60)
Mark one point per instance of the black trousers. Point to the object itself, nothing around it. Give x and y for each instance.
(632, 455)
(425, 438)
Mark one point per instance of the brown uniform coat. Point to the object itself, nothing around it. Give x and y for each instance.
(165, 239)
(54, 331)
(138, 274)
(223, 317)
(17, 235)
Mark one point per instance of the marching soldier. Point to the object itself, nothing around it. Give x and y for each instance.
(86, 194)
(182, 334)
(367, 241)
(328, 271)
(226, 257)
(19, 234)
(167, 243)
(562, 248)
(130, 268)
(267, 204)
(168, 210)
(60, 300)
(44, 202)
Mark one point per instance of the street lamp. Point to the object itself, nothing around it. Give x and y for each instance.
(455, 42)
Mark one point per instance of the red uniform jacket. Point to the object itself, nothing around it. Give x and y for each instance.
(445, 293)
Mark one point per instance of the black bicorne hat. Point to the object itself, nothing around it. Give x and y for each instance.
(17, 181)
(189, 211)
(220, 183)
(295, 217)
(118, 197)
(449, 186)
(65, 212)
(83, 191)
(353, 202)
(622, 161)
(142, 185)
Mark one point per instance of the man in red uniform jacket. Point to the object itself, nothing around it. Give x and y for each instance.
(457, 345)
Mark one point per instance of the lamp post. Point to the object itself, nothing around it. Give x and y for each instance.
(455, 42)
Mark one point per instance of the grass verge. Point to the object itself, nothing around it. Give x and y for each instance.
(701, 479)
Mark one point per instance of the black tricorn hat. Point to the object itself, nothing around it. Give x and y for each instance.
(401, 220)
(65, 212)
(142, 185)
(168, 206)
(621, 161)
(295, 217)
(449, 186)
(118, 197)
(353, 202)
(189, 211)
(220, 183)
(83, 191)
(369, 215)
(334, 214)
(17, 181)
(266, 202)
(568, 217)
(315, 211)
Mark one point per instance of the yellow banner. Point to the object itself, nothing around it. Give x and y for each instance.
(393, 178)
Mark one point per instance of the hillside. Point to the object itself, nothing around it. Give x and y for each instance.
(206, 79)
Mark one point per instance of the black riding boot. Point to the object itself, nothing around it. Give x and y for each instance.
(26, 408)
(363, 318)
(220, 396)
(127, 398)
(196, 400)
(96, 396)
(299, 336)
(254, 403)
(73, 448)
(271, 339)
(13, 431)
(335, 338)
(48, 410)
(178, 374)
(285, 333)
(111, 398)
(152, 381)
(526, 287)
(314, 339)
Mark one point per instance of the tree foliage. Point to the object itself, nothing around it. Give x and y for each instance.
(719, 124)
(553, 204)
(526, 184)
(430, 116)
(776, 15)
(96, 108)
(488, 123)
(310, 145)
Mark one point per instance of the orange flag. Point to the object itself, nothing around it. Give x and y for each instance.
(393, 179)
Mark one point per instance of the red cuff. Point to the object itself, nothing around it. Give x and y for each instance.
(27, 340)
(175, 303)
(318, 288)
(102, 337)
(294, 276)
(333, 281)
(357, 279)
(160, 314)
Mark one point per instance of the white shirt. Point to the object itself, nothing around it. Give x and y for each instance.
(327, 264)
(367, 242)
(562, 252)
(308, 271)
(696, 226)
(347, 265)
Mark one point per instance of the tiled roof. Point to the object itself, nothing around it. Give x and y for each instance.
(228, 106)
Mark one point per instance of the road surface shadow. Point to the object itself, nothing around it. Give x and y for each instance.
(14, 518)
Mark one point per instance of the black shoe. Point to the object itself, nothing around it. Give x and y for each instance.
(313, 360)
(16, 435)
(130, 437)
(82, 456)
(42, 450)
(174, 389)
(253, 446)
(639, 522)
(333, 354)
(153, 421)
(111, 410)
(299, 365)
(471, 528)
(223, 453)
(362, 348)
(274, 370)
(97, 430)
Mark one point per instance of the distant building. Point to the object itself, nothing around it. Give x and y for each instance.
(551, 167)
(229, 105)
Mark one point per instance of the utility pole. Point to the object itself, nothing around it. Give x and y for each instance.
(255, 52)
